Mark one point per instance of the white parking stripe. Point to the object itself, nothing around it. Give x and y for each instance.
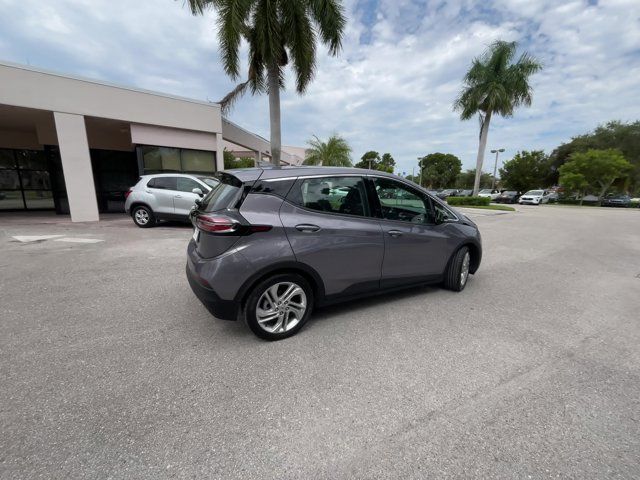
(34, 238)
(78, 240)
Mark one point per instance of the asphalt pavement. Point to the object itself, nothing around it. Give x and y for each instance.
(110, 367)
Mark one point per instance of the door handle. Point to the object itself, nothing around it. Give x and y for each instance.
(395, 233)
(305, 227)
(178, 196)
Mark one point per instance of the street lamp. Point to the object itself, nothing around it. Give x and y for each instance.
(495, 166)
(419, 171)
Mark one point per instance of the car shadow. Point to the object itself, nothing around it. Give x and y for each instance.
(174, 224)
(324, 313)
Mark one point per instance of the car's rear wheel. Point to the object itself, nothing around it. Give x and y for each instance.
(279, 306)
(457, 273)
(143, 216)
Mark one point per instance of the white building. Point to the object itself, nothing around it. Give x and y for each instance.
(75, 145)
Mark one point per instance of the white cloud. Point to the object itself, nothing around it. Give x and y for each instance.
(393, 92)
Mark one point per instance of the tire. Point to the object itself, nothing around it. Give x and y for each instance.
(453, 277)
(263, 299)
(141, 213)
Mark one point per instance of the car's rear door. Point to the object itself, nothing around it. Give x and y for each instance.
(330, 228)
(163, 190)
(416, 249)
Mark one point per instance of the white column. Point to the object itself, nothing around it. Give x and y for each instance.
(219, 152)
(76, 166)
(258, 158)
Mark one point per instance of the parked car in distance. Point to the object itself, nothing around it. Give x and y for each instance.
(487, 192)
(449, 192)
(508, 196)
(465, 193)
(271, 244)
(166, 196)
(616, 200)
(551, 197)
(533, 197)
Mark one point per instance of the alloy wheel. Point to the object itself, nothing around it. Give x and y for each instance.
(464, 269)
(281, 307)
(142, 216)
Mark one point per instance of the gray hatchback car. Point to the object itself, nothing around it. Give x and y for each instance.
(271, 244)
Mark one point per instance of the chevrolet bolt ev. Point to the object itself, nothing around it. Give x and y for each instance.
(165, 196)
(269, 245)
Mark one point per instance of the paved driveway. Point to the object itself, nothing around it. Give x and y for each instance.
(111, 369)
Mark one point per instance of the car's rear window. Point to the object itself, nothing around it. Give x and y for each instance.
(222, 196)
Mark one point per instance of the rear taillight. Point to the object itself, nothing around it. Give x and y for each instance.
(216, 224)
(223, 224)
(127, 193)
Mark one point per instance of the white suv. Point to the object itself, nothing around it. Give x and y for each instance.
(165, 196)
(534, 197)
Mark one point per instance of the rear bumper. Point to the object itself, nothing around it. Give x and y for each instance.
(222, 309)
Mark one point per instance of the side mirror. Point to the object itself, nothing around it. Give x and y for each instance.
(439, 217)
(198, 192)
(198, 202)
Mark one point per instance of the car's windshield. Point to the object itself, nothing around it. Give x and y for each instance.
(510, 192)
(535, 192)
(212, 182)
(486, 190)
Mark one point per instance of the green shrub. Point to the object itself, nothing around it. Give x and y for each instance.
(635, 204)
(468, 200)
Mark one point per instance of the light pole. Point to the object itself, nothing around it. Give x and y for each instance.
(420, 171)
(495, 166)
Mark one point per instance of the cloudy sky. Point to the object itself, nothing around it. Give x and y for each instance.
(392, 87)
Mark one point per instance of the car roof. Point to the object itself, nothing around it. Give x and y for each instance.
(176, 174)
(268, 173)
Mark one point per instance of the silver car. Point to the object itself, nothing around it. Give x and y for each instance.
(165, 196)
(271, 244)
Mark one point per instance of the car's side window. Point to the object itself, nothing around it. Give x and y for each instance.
(163, 183)
(442, 214)
(342, 195)
(185, 184)
(402, 203)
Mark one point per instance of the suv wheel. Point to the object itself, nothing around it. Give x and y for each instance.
(457, 273)
(279, 306)
(143, 217)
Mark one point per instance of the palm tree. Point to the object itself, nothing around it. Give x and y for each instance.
(278, 32)
(335, 152)
(495, 85)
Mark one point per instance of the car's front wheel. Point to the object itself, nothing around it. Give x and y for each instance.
(143, 216)
(457, 274)
(279, 306)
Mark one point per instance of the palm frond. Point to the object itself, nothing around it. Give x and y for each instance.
(227, 102)
(198, 7)
(331, 20)
(301, 41)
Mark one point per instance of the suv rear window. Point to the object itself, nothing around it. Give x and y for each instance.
(222, 196)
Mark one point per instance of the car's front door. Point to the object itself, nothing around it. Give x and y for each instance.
(415, 247)
(163, 189)
(184, 198)
(330, 228)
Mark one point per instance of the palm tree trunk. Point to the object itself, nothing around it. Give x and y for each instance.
(484, 133)
(274, 114)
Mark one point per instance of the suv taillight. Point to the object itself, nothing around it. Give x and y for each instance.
(127, 193)
(216, 223)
